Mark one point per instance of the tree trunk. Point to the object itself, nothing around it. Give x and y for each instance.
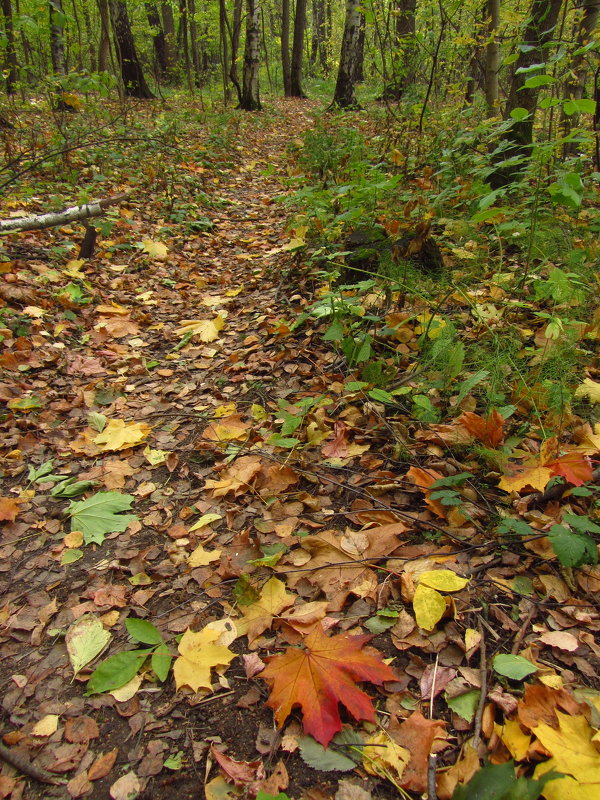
(250, 89)
(236, 33)
(168, 26)
(158, 39)
(224, 40)
(194, 41)
(89, 32)
(344, 95)
(403, 50)
(297, 49)
(57, 37)
(285, 48)
(134, 82)
(492, 57)
(104, 46)
(359, 64)
(575, 87)
(10, 56)
(542, 18)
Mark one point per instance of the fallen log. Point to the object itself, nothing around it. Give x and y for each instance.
(36, 222)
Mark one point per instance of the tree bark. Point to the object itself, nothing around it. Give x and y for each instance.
(168, 26)
(236, 33)
(158, 39)
(359, 64)
(250, 87)
(132, 75)
(104, 46)
(403, 50)
(344, 96)
(298, 49)
(57, 37)
(10, 56)
(285, 48)
(492, 57)
(575, 86)
(542, 19)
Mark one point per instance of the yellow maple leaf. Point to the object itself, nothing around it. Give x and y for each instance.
(383, 757)
(119, 435)
(517, 742)
(534, 475)
(574, 754)
(228, 429)
(201, 557)
(589, 389)
(198, 655)
(207, 330)
(155, 249)
(258, 617)
(429, 607)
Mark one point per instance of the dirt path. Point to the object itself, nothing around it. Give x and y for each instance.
(97, 364)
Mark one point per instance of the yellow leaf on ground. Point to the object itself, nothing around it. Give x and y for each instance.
(119, 435)
(589, 389)
(572, 747)
(155, 249)
(201, 557)
(535, 476)
(444, 579)
(228, 429)
(517, 742)
(259, 616)
(205, 519)
(429, 607)
(198, 656)
(207, 330)
(383, 757)
(46, 726)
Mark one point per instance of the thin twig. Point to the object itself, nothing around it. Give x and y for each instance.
(482, 697)
(523, 630)
(21, 763)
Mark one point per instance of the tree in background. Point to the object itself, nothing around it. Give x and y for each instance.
(10, 56)
(298, 50)
(344, 96)
(523, 94)
(134, 83)
(250, 100)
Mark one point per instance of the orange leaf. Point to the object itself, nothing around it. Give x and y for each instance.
(9, 508)
(574, 467)
(322, 675)
(420, 737)
(490, 431)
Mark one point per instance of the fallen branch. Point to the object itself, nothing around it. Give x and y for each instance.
(22, 764)
(36, 222)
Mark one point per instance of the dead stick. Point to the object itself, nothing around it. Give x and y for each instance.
(482, 697)
(36, 222)
(522, 630)
(22, 764)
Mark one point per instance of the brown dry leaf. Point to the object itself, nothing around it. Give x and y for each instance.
(9, 508)
(420, 737)
(237, 478)
(103, 765)
(541, 703)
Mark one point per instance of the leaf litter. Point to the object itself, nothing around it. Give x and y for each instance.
(290, 601)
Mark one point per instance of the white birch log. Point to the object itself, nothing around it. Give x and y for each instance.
(36, 222)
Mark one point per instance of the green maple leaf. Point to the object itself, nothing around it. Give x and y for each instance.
(100, 514)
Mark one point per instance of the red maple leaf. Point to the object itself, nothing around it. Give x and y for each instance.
(575, 467)
(320, 676)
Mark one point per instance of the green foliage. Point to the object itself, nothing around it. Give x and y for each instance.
(100, 515)
(117, 670)
(499, 782)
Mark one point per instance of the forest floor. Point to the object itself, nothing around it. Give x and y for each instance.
(164, 371)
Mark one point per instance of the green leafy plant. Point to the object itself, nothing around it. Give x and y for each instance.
(119, 669)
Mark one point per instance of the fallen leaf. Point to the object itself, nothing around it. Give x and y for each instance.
(127, 787)
(207, 330)
(85, 639)
(258, 617)
(319, 676)
(119, 435)
(46, 726)
(201, 557)
(589, 389)
(198, 655)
